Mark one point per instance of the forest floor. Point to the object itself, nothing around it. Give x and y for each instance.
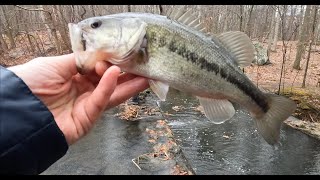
(266, 77)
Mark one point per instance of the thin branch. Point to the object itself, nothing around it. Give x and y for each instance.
(284, 45)
(84, 12)
(311, 117)
(29, 9)
(239, 16)
(136, 164)
(274, 7)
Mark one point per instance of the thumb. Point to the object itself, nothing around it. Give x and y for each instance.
(100, 97)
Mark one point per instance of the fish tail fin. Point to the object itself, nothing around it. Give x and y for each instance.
(269, 124)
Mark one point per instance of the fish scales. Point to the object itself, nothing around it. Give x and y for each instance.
(160, 37)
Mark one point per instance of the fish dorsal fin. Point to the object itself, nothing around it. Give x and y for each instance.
(175, 13)
(217, 110)
(240, 46)
(187, 18)
(159, 88)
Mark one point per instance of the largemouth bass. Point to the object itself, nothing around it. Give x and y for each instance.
(174, 51)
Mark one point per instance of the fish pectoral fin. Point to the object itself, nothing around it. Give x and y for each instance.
(240, 46)
(159, 88)
(217, 110)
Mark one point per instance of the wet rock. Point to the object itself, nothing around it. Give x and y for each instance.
(140, 98)
(155, 164)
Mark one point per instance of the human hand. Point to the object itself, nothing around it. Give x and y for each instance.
(77, 101)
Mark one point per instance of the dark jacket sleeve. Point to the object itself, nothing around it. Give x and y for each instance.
(30, 140)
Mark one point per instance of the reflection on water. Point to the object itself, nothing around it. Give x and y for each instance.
(235, 147)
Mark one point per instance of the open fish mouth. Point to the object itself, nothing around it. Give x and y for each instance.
(84, 59)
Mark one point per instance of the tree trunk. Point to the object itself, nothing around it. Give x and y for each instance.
(46, 16)
(271, 33)
(62, 28)
(161, 10)
(4, 45)
(291, 28)
(248, 28)
(264, 27)
(129, 8)
(241, 17)
(276, 31)
(226, 20)
(301, 20)
(283, 18)
(7, 29)
(315, 10)
(92, 11)
(30, 42)
(302, 38)
(217, 21)
(317, 32)
(41, 50)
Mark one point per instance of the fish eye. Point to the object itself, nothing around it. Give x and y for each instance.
(96, 24)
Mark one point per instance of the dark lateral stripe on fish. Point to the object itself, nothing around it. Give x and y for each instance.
(213, 67)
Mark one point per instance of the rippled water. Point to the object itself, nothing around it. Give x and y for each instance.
(235, 147)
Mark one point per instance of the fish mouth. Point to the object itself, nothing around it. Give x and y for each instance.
(86, 56)
(76, 36)
(83, 42)
(85, 59)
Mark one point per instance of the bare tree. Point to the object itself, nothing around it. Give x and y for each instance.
(30, 42)
(261, 32)
(271, 31)
(276, 31)
(161, 10)
(282, 15)
(311, 40)
(302, 11)
(291, 21)
(248, 27)
(3, 44)
(302, 38)
(48, 21)
(7, 28)
(91, 7)
(62, 28)
(241, 17)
